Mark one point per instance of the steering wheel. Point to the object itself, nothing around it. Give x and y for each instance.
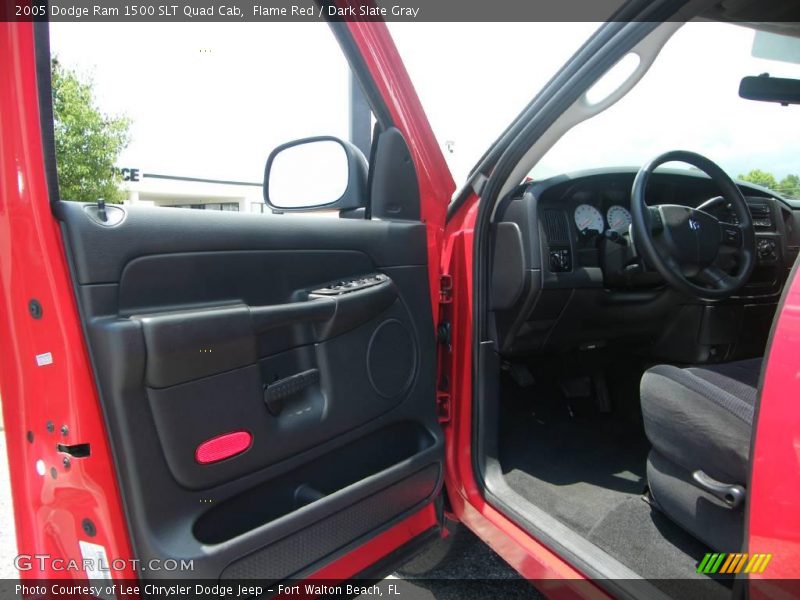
(683, 243)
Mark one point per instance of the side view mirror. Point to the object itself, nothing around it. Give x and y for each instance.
(316, 173)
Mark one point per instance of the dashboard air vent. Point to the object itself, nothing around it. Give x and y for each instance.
(762, 216)
(555, 227)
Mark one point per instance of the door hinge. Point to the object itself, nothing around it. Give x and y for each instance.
(443, 406)
(445, 289)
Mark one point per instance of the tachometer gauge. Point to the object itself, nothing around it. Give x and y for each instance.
(587, 217)
(618, 218)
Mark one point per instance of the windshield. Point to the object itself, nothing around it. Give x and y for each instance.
(687, 100)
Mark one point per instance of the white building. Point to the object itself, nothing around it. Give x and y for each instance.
(191, 192)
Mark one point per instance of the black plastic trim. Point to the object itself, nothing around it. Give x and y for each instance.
(508, 266)
(41, 33)
(394, 187)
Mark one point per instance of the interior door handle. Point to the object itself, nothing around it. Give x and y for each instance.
(275, 393)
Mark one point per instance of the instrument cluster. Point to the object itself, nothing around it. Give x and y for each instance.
(589, 218)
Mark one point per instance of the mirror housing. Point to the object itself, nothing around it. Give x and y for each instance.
(770, 89)
(316, 173)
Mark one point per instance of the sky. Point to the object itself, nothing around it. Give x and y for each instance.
(212, 100)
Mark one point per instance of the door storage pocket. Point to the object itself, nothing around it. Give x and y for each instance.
(317, 481)
(307, 549)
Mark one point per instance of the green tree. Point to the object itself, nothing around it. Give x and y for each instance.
(761, 178)
(88, 142)
(789, 186)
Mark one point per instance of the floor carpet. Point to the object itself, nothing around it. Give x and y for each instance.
(586, 468)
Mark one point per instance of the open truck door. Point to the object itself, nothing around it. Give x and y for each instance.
(254, 396)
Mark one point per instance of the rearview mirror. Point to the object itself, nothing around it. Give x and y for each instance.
(770, 89)
(317, 173)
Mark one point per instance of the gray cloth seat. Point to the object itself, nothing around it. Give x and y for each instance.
(700, 418)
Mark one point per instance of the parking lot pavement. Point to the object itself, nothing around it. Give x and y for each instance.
(473, 573)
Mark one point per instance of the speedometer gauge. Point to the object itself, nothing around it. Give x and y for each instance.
(587, 217)
(618, 218)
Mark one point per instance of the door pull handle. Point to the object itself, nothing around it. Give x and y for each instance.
(275, 393)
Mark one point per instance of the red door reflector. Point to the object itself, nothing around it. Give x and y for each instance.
(222, 447)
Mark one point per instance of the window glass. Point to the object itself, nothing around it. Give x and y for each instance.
(207, 102)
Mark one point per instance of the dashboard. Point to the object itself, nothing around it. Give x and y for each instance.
(580, 213)
(579, 281)
(604, 210)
